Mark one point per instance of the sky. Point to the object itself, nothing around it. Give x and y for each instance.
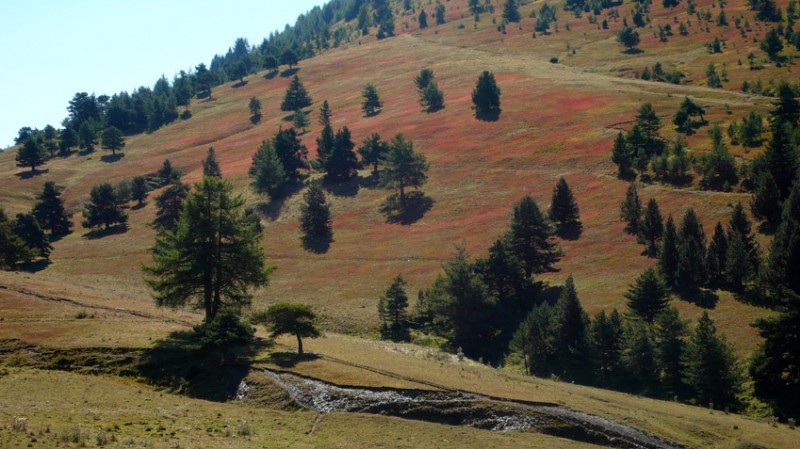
(51, 49)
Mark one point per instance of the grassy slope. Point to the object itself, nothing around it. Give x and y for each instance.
(558, 120)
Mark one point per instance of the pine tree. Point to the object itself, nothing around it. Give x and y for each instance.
(12, 247)
(392, 309)
(49, 210)
(404, 168)
(342, 163)
(716, 256)
(31, 154)
(267, 171)
(535, 340)
(738, 269)
(782, 160)
(511, 11)
(691, 251)
(315, 218)
(779, 278)
(563, 207)
(669, 339)
(648, 295)
(300, 120)
(103, 208)
(740, 224)
(432, 98)
(651, 227)
(486, 96)
(255, 108)
(668, 256)
(113, 139)
(719, 167)
(296, 96)
(169, 206)
(36, 241)
(139, 189)
(439, 13)
(325, 114)
(424, 78)
(214, 256)
(531, 238)
(639, 359)
(325, 144)
(210, 165)
(423, 19)
(290, 150)
(371, 103)
(766, 201)
(373, 151)
(67, 140)
(711, 367)
(631, 210)
(168, 175)
(786, 107)
(621, 155)
(87, 137)
(570, 327)
(606, 334)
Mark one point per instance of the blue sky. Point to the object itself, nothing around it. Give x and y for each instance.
(51, 49)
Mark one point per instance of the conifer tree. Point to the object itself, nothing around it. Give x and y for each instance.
(299, 320)
(103, 208)
(711, 367)
(404, 168)
(639, 358)
(570, 326)
(719, 167)
(67, 140)
(139, 189)
(606, 334)
(49, 210)
(12, 247)
(169, 206)
(371, 103)
(535, 341)
(290, 150)
(781, 158)
(651, 227)
(267, 171)
(424, 78)
(669, 339)
(716, 257)
(325, 142)
(300, 120)
(113, 139)
(35, 239)
(439, 13)
(691, 251)
(31, 154)
(766, 201)
(325, 114)
(315, 218)
(87, 137)
(786, 107)
(648, 295)
(167, 174)
(631, 210)
(530, 235)
(210, 164)
(255, 108)
(779, 278)
(486, 96)
(432, 98)
(373, 151)
(342, 163)
(668, 256)
(738, 268)
(392, 309)
(511, 11)
(740, 224)
(296, 96)
(423, 19)
(621, 155)
(563, 207)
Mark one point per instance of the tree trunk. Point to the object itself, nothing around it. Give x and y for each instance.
(299, 344)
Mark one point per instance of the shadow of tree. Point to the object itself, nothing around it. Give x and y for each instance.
(372, 181)
(570, 231)
(633, 51)
(176, 363)
(110, 158)
(317, 245)
(492, 116)
(417, 204)
(28, 174)
(270, 75)
(290, 72)
(239, 84)
(271, 209)
(290, 359)
(704, 298)
(103, 232)
(344, 188)
(255, 119)
(34, 266)
(138, 206)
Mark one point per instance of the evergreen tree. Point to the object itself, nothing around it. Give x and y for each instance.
(12, 247)
(293, 319)
(738, 269)
(67, 140)
(486, 96)
(342, 163)
(403, 167)
(669, 340)
(300, 121)
(271, 63)
(631, 210)
(779, 278)
(781, 158)
(169, 206)
(87, 137)
(719, 167)
(49, 210)
(371, 103)
(439, 13)
(505, 281)
(772, 44)
(606, 334)
(535, 341)
(563, 207)
(392, 309)
(432, 98)
(711, 367)
(289, 57)
(669, 256)
(511, 11)
(325, 142)
(315, 218)
(373, 151)
(104, 208)
(639, 359)
(290, 151)
(786, 108)
(267, 171)
(716, 257)
(210, 164)
(214, 256)
(424, 78)
(740, 224)
(628, 37)
(167, 174)
(325, 114)
(423, 19)
(691, 251)
(255, 108)
(113, 139)
(139, 189)
(531, 238)
(766, 201)
(622, 156)
(570, 328)
(651, 227)
(36, 241)
(296, 96)
(31, 154)
(648, 295)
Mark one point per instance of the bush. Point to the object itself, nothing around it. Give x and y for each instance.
(553, 60)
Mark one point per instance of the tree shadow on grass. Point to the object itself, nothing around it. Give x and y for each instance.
(633, 51)
(270, 75)
(271, 209)
(111, 158)
(103, 232)
(570, 231)
(348, 188)
(177, 363)
(28, 174)
(491, 116)
(316, 244)
(372, 181)
(417, 204)
(704, 298)
(255, 119)
(34, 266)
(138, 206)
(239, 84)
(290, 359)
(290, 72)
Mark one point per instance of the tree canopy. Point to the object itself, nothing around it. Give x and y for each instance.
(293, 319)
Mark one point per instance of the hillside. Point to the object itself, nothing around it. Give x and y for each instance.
(566, 95)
